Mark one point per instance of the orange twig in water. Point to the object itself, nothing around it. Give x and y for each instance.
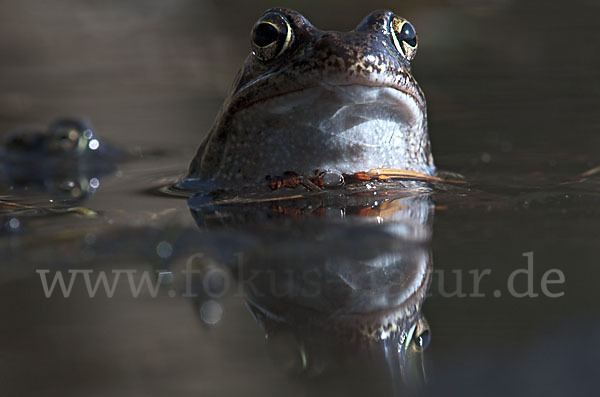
(393, 173)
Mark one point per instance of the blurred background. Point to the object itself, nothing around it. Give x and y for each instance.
(500, 75)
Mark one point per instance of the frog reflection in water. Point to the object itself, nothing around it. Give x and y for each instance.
(309, 100)
(336, 277)
(67, 160)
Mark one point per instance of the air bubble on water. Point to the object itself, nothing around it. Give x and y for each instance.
(14, 223)
(94, 144)
(164, 249)
(88, 134)
(211, 312)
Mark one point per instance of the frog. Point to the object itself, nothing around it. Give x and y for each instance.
(67, 159)
(312, 101)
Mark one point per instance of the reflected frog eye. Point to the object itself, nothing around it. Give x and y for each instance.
(271, 36)
(422, 340)
(404, 37)
(420, 335)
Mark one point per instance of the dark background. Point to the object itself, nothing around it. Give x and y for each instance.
(500, 76)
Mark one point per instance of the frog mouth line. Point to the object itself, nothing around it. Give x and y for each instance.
(418, 101)
(340, 107)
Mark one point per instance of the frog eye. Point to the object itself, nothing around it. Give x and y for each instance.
(404, 37)
(419, 336)
(271, 36)
(68, 135)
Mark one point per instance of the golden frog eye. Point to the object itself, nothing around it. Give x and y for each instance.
(271, 36)
(404, 37)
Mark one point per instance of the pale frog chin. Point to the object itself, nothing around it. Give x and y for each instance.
(337, 128)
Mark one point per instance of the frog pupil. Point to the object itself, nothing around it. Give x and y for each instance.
(422, 341)
(265, 34)
(408, 35)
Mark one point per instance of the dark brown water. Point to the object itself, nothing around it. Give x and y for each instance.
(513, 89)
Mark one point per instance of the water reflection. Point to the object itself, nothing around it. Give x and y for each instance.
(334, 277)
